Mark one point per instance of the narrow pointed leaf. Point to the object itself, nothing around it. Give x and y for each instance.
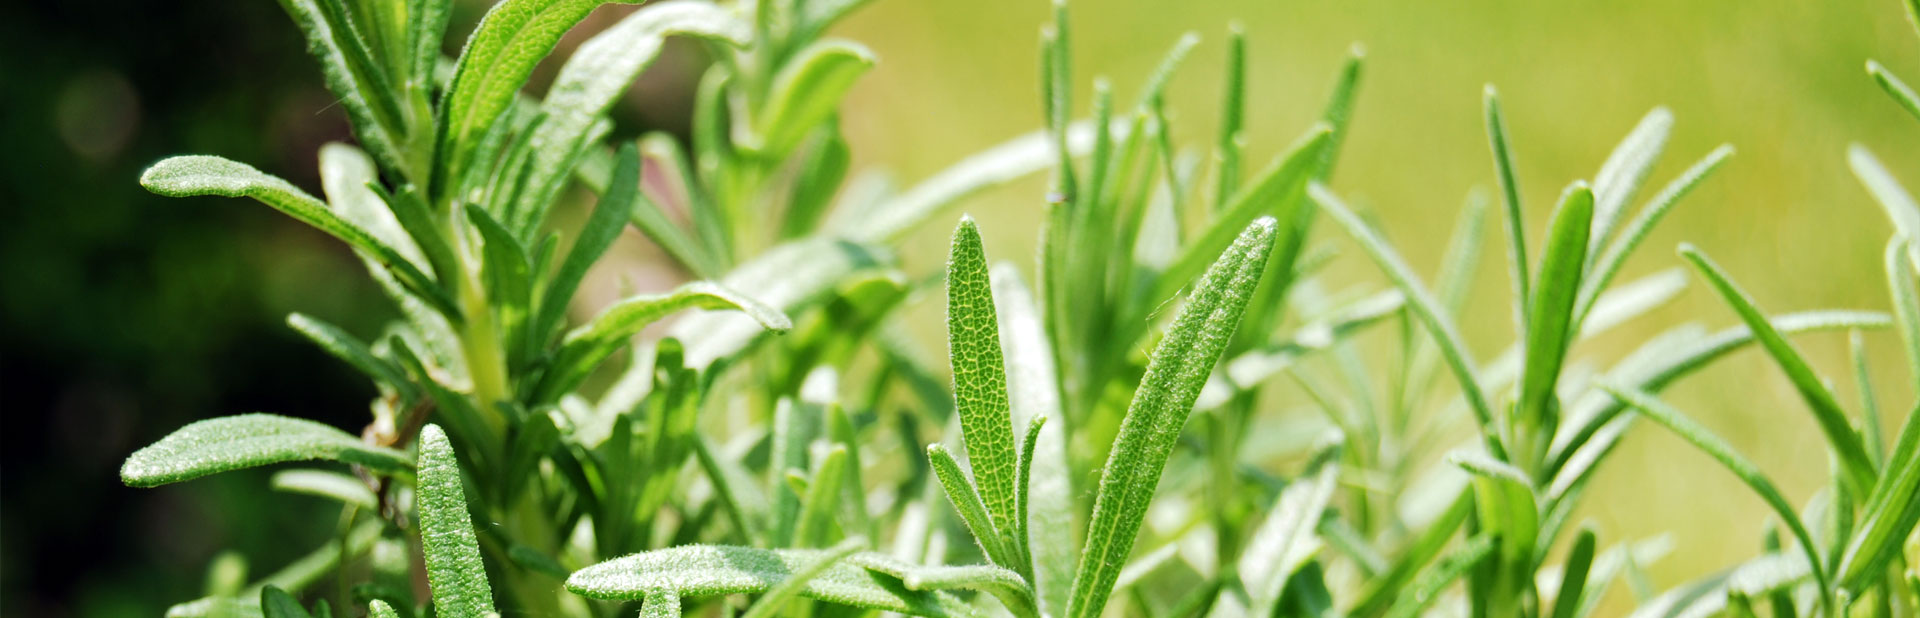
(662, 603)
(808, 91)
(1895, 88)
(345, 488)
(1550, 327)
(1623, 172)
(513, 37)
(276, 603)
(366, 97)
(1603, 270)
(1889, 516)
(1893, 198)
(1826, 410)
(380, 609)
(1516, 224)
(458, 578)
(1685, 427)
(584, 347)
(713, 570)
(1178, 368)
(193, 175)
(1276, 191)
(967, 503)
(351, 351)
(1415, 599)
(1001, 583)
(1573, 578)
(249, 440)
(602, 228)
(980, 379)
(1432, 315)
(602, 70)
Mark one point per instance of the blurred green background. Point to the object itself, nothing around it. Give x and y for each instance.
(123, 315)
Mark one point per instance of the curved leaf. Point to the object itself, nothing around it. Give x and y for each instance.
(584, 347)
(192, 175)
(714, 570)
(807, 92)
(1175, 374)
(246, 441)
(980, 381)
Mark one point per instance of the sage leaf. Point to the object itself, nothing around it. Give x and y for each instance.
(1178, 368)
(458, 578)
(246, 441)
(980, 382)
(713, 570)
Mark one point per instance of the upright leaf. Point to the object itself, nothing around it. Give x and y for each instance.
(458, 578)
(1286, 539)
(1549, 325)
(1510, 196)
(602, 228)
(249, 440)
(1177, 370)
(1033, 392)
(513, 37)
(980, 379)
(808, 91)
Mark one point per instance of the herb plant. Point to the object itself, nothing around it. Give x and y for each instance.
(784, 448)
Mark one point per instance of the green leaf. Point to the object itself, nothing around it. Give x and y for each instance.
(816, 181)
(1510, 196)
(1890, 514)
(511, 39)
(349, 179)
(966, 501)
(1899, 204)
(1573, 577)
(1680, 424)
(1710, 595)
(1436, 579)
(1177, 370)
(299, 575)
(276, 603)
(1550, 327)
(715, 570)
(598, 73)
(1001, 583)
(1339, 110)
(345, 488)
(775, 600)
(350, 350)
(980, 382)
(663, 603)
(509, 277)
(584, 347)
(365, 94)
(1232, 115)
(1602, 272)
(660, 152)
(1895, 88)
(1380, 592)
(1904, 285)
(1033, 391)
(249, 440)
(1623, 172)
(1275, 192)
(822, 499)
(458, 578)
(989, 168)
(1452, 347)
(602, 228)
(787, 277)
(193, 175)
(1286, 540)
(807, 92)
(1832, 419)
(380, 609)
